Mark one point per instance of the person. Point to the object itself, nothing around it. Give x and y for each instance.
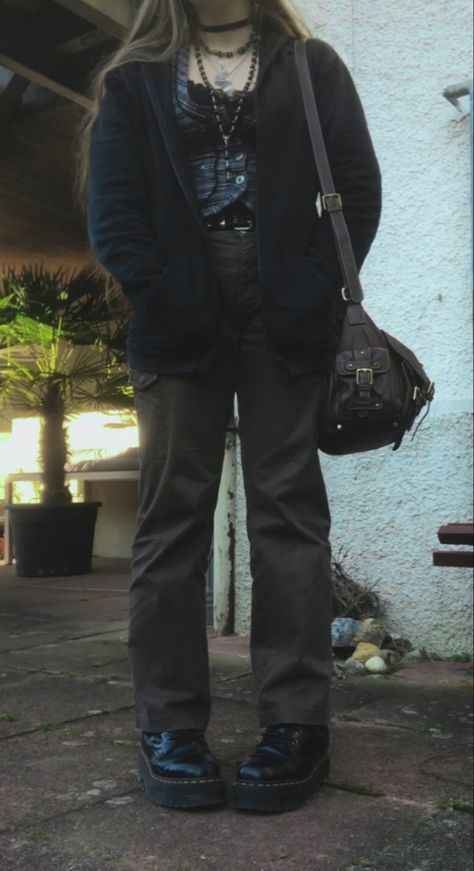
(201, 203)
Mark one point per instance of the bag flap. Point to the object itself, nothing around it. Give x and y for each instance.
(410, 358)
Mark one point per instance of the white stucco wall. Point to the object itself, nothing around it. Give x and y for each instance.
(386, 506)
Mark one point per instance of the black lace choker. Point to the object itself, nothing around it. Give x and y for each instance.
(218, 28)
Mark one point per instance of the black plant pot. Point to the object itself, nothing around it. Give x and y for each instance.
(51, 540)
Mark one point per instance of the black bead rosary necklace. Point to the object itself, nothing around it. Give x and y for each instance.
(220, 93)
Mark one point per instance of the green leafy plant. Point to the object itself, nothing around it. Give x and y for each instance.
(62, 351)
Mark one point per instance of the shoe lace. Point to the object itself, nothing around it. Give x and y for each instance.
(287, 732)
(187, 733)
(283, 732)
(193, 735)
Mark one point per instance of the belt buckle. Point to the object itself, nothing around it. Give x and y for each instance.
(248, 226)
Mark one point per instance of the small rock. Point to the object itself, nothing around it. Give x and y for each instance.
(364, 651)
(343, 631)
(376, 665)
(390, 656)
(372, 631)
(398, 643)
(353, 666)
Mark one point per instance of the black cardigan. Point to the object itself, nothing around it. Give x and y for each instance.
(146, 228)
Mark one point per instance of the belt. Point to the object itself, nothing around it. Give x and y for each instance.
(228, 219)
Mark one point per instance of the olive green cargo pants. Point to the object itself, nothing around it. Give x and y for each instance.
(183, 420)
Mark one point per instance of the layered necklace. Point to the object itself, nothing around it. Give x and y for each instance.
(222, 91)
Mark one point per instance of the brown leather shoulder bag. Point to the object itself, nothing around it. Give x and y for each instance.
(376, 386)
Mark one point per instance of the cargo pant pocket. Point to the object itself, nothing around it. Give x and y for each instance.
(141, 380)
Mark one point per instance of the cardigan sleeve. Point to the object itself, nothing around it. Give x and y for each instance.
(352, 159)
(118, 214)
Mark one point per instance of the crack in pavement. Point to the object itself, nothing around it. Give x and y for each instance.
(66, 722)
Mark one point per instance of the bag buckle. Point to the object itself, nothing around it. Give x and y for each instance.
(370, 379)
(427, 393)
(329, 204)
(345, 294)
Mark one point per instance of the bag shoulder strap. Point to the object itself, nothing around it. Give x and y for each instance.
(331, 201)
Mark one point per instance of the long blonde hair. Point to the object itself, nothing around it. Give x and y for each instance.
(160, 28)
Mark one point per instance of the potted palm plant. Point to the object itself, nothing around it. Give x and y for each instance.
(62, 351)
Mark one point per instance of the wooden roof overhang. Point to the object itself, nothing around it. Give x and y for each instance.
(48, 48)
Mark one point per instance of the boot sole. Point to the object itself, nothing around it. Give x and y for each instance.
(198, 792)
(267, 796)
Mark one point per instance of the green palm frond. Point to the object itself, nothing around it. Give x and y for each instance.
(62, 344)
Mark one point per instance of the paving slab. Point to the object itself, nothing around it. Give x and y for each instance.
(364, 759)
(31, 852)
(38, 611)
(39, 699)
(327, 834)
(52, 631)
(70, 799)
(55, 772)
(411, 765)
(441, 843)
(108, 574)
(64, 607)
(107, 655)
(230, 646)
(77, 656)
(423, 693)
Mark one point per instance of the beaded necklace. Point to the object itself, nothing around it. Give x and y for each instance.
(221, 94)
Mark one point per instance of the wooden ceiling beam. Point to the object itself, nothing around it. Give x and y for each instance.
(113, 16)
(49, 80)
(20, 54)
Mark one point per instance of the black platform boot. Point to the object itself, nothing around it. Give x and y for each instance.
(179, 770)
(288, 764)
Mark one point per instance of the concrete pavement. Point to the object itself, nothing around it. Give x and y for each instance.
(399, 797)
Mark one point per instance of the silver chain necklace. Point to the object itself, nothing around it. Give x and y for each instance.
(222, 75)
(226, 134)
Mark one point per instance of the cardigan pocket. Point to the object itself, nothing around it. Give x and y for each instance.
(179, 310)
(303, 305)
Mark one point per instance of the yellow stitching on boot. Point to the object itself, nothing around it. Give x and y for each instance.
(176, 780)
(267, 784)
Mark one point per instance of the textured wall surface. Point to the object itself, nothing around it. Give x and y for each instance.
(386, 506)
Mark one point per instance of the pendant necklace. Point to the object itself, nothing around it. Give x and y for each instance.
(218, 92)
(223, 75)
